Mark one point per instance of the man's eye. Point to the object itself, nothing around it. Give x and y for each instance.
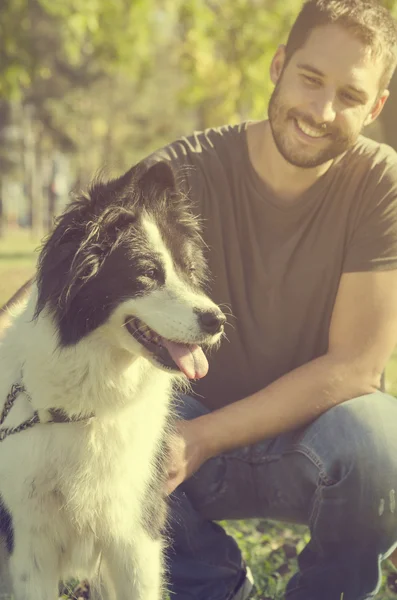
(311, 80)
(346, 97)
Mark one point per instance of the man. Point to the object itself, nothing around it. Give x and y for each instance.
(300, 217)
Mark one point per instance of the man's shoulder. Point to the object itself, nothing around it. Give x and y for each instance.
(371, 153)
(201, 143)
(370, 166)
(215, 136)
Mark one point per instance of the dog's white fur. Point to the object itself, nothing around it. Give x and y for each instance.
(76, 491)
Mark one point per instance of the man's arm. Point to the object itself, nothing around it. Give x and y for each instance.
(17, 297)
(362, 336)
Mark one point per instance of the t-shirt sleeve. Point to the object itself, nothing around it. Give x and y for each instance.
(372, 243)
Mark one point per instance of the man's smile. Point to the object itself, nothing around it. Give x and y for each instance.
(309, 131)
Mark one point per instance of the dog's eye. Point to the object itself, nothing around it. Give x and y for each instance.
(152, 273)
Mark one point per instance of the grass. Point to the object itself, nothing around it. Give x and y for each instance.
(17, 262)
(269, 548)
(271, 551)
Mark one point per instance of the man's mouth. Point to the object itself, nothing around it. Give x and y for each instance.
(173, 355)
(310, 131)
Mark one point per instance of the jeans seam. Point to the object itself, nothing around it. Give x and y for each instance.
(314, 513)
(300, 448)
(323, 476)
(323, 480)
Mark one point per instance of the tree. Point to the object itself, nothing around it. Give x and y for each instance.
(48, 50)
(107, 81)
(226, 49)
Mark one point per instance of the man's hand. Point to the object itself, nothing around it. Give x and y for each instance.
(186, 453)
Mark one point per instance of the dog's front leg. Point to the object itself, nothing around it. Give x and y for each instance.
(101, 585)
(136, 569)
(34, 570)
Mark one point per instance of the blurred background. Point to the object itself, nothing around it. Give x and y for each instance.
(98, 84)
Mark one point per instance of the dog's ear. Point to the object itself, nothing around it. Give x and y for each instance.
(160, 175)
(143, 178)
(101, 189)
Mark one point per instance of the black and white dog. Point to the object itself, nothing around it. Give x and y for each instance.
(116, 316)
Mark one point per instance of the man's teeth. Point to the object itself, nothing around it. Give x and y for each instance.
(309, 131)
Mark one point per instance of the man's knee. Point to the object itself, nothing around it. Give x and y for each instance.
(356, 441)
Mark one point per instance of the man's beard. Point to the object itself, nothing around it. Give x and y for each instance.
(337, 142)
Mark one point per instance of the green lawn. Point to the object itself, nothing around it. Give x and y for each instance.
(17, 262)
(269, 548)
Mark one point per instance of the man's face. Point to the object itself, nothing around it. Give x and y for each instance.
(323, 97)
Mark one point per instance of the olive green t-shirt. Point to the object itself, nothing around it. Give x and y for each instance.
(277, 267)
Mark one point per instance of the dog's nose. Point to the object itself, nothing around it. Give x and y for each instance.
(212, 321)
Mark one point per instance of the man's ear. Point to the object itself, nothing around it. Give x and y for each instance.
(277, 64)
(377, 108)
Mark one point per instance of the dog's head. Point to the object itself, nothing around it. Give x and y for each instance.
(126, 261)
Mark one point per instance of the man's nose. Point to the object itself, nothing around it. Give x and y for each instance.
(323, 109)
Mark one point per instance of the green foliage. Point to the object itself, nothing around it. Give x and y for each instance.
(132, 74)
(390, 5)
(15, 59)
(108, 81)
(37, 36)
(226, 49)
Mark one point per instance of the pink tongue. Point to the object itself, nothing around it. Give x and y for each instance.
(190, 359)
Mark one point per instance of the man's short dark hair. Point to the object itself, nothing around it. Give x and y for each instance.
(368, 20)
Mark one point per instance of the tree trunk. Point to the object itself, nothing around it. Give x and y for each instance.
(33, 175)
(1, 209)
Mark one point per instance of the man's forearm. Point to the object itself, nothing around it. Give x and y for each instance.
(291, 402)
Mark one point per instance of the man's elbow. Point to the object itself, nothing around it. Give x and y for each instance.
(365, 379)
(355, 377)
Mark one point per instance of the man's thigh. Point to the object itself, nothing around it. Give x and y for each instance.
(277, 478)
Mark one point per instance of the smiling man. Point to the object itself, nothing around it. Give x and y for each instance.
(300, 218)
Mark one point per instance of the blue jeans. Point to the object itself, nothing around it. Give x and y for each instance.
(337, 475)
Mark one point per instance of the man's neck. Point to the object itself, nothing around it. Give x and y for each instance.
(286, 181)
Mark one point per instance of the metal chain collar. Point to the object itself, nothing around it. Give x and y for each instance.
(53, 415)
(16, 389)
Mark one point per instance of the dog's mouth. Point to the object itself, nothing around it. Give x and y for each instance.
(176, 356)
